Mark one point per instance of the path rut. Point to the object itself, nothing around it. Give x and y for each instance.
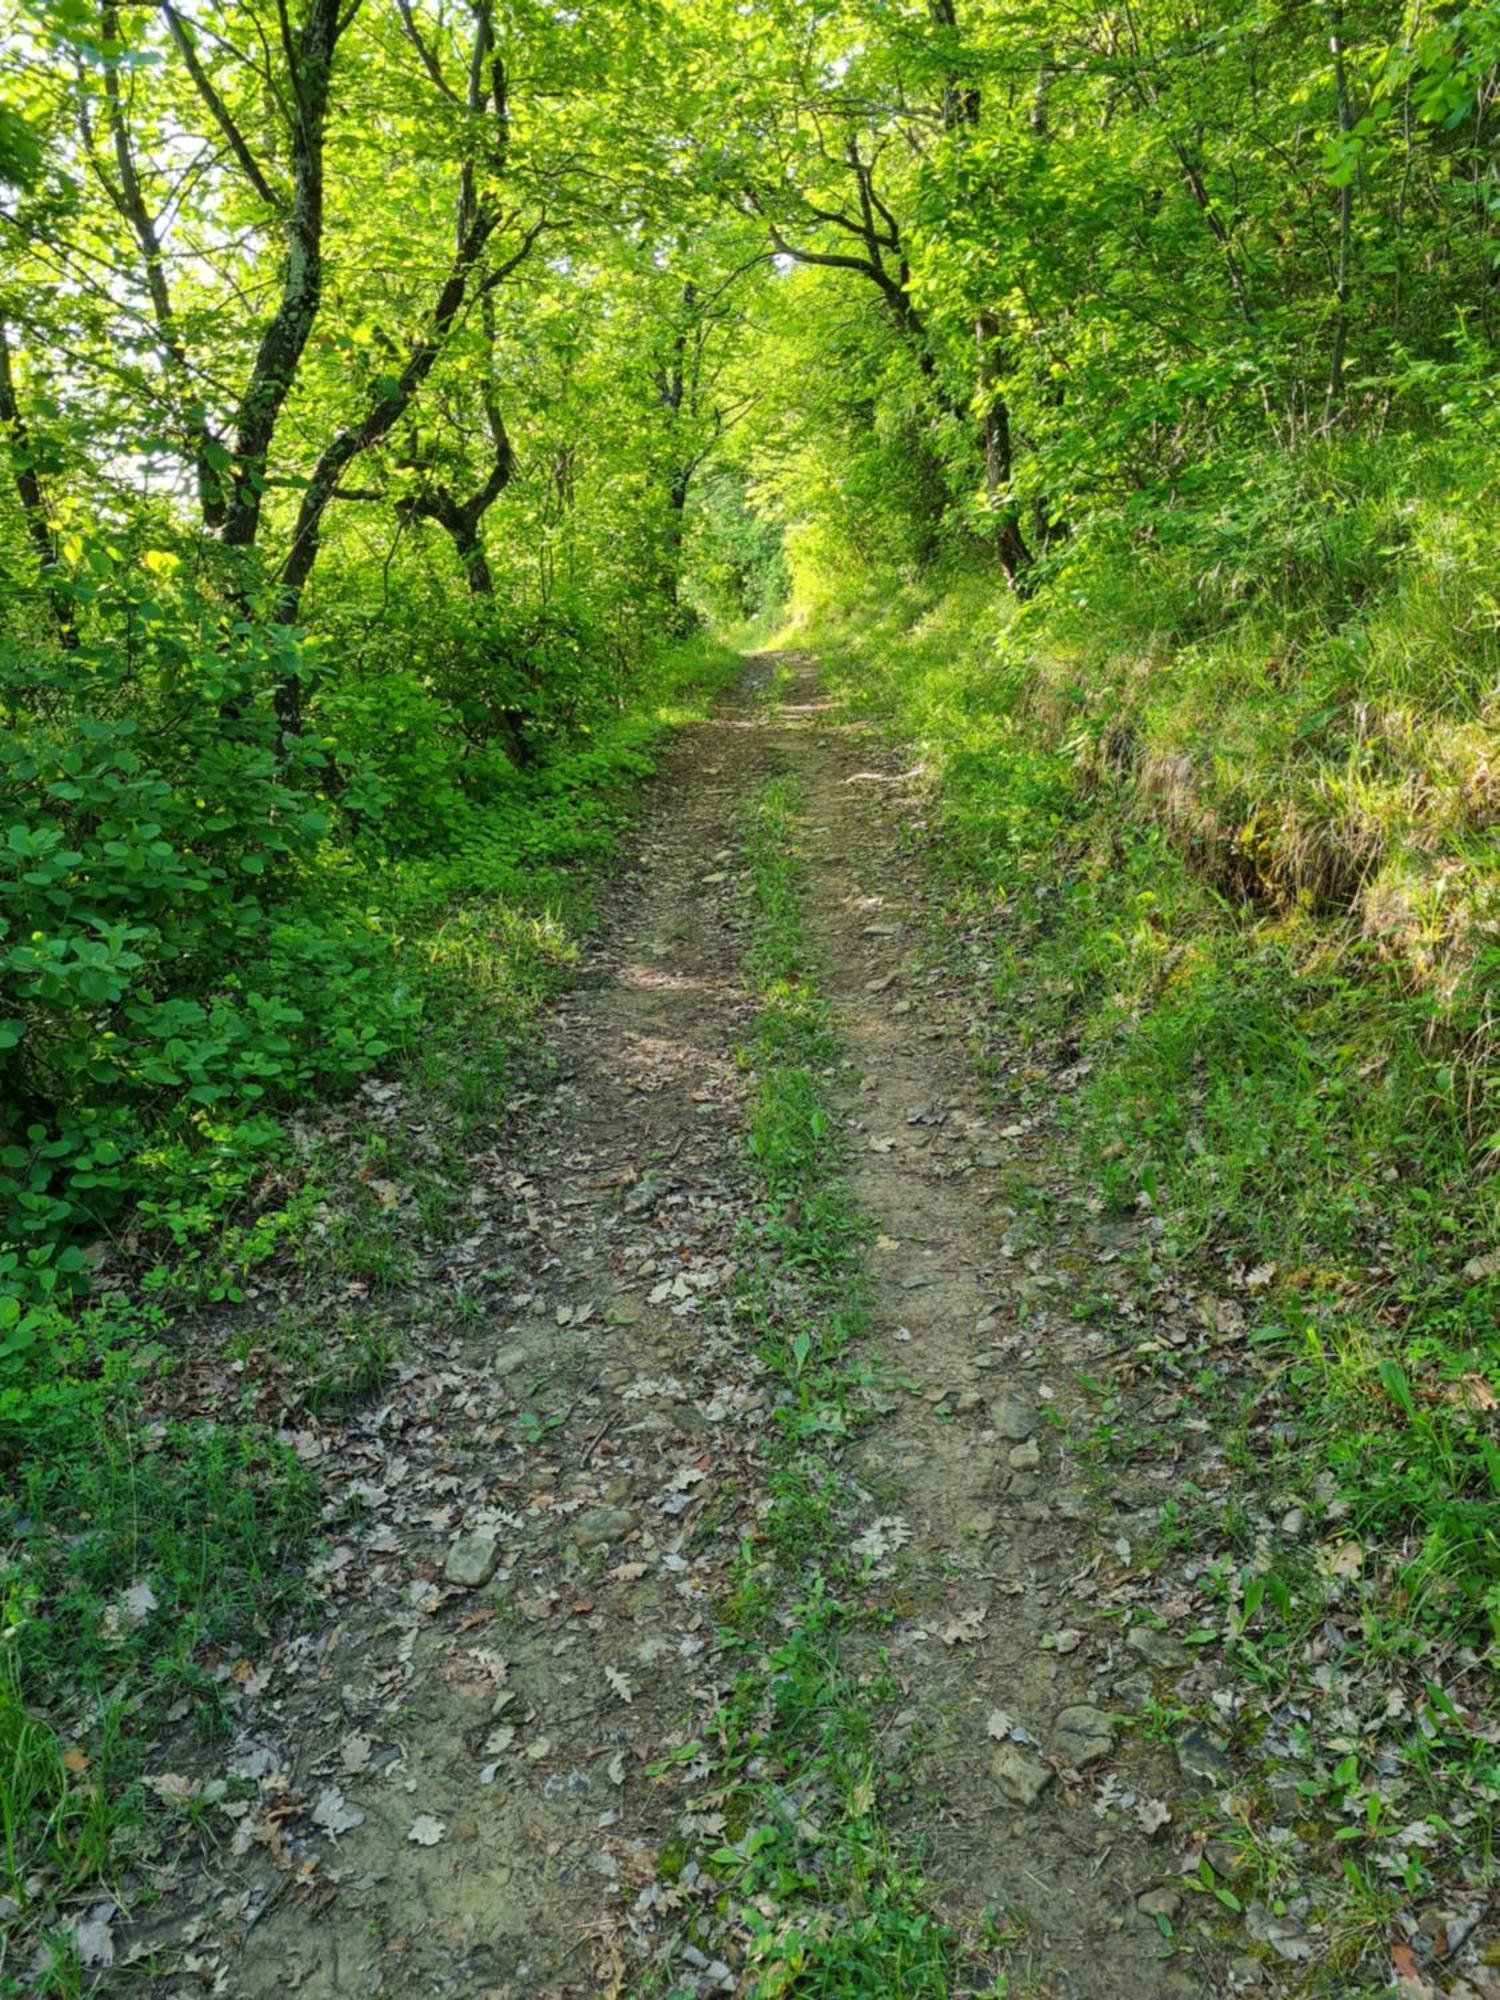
(1004, 1547)
(454, 1786)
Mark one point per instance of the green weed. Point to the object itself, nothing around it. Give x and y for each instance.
(832, 1907)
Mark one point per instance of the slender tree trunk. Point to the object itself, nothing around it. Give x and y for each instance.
(33, 500)
(463, 522)
(469, 544)
(1010, 543)
(961, 111)
(1335, 392)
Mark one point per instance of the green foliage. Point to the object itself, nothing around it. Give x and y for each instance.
(733, 563)
(173, 948)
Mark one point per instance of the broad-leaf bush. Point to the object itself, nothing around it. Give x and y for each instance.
(180, 947)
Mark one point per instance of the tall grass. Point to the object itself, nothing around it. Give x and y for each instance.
(1231, 787)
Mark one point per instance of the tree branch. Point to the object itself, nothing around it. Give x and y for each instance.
(219, 110)
(130, 200)
(425, 54)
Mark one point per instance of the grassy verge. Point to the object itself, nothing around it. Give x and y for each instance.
(153, 1528)
(1299, 1128)
(824, 1900)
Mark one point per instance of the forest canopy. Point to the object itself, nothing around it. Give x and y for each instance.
(383, 384)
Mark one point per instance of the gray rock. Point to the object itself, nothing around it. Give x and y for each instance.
(1134, 1692)
(601, 1525)
(1025, 1457)
(1225, 1860)
(1159, 1649)
(1082, 1735)
(1283, 1934)
(1020, 1777)
(647, 1192)
(1012, 1418)
(1198, 1756)
(1159, 1903)
(472, 1560)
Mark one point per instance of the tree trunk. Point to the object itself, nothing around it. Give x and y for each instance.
(962, 106)
(286, 336)
(33, 501)
(1010, 544)
(1335, 391)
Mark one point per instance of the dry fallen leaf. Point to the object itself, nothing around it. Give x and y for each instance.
(332, 1811)
(1409, 1981)
(426, 1830)
(93, 1940)
(354, 1755)
(1470, 1392)
(172, 1788)
(881, 1537)
(620, 1685)
(1152, 1815)
(1341, 1559)
(965, 1628)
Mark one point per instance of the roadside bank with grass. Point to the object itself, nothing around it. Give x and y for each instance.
(1230, 933)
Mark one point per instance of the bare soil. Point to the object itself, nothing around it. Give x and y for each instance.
(454, 1787)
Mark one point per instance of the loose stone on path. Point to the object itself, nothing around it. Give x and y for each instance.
(1021, 1777)
(472, 1560)
(1082, 1735)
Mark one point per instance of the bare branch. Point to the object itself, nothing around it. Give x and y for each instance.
(425, 54)
(219, 110)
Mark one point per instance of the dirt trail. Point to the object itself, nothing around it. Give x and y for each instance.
(452, 1786)
(1007, 1551)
